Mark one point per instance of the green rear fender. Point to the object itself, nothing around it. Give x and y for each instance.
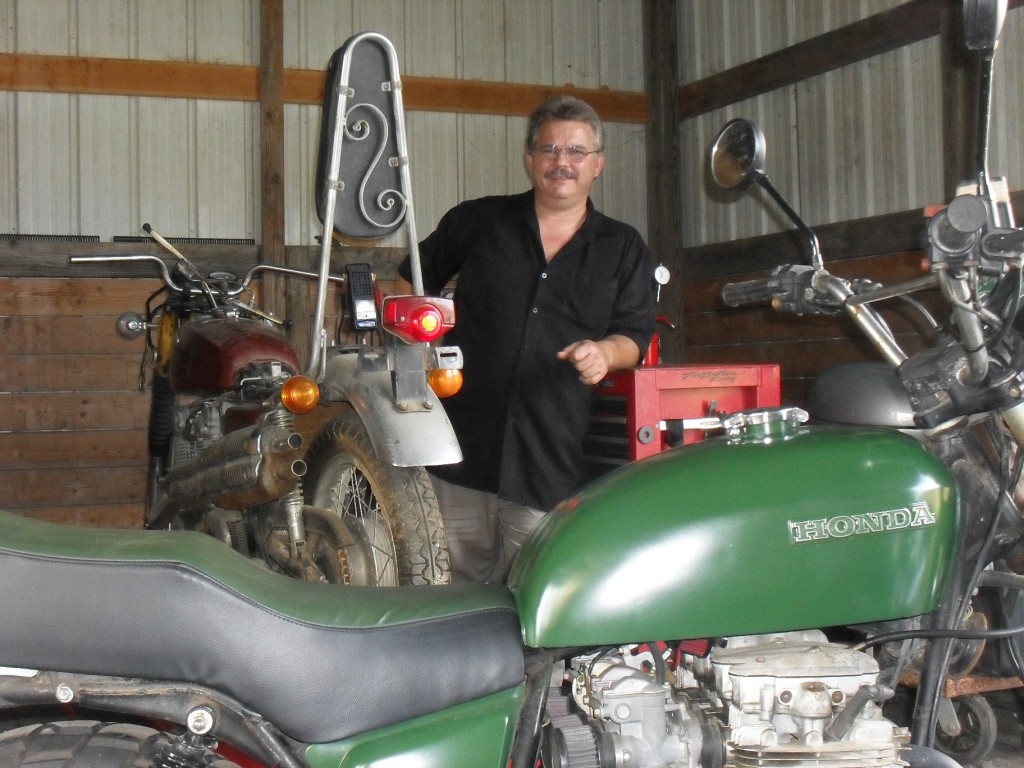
(829, 526)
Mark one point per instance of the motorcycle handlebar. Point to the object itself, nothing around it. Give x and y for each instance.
(165, 274)
(747, 292)
(955, 230)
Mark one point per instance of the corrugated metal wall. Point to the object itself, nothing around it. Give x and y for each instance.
(859, 141)
(101, 165)
(586, 43)
(98, 165)
(856, 142)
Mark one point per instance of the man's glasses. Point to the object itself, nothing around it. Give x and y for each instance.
(573, 154)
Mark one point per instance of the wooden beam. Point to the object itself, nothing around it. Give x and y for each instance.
(664, 191)
(192, 80)
(135, 77)
(271, 150)
(888, 233)
(50, 259)
(959, 100)
(874, 235)
(904, 24)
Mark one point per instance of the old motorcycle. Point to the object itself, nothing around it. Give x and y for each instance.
(355, 505)
(961, 399)
(665, 615)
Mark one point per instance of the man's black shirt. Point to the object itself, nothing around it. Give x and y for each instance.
(522, 413)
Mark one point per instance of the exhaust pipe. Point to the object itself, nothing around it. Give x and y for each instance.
(251, 466)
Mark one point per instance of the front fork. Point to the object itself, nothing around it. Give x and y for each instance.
(978, 477)
(1014, 418)
(161, 407)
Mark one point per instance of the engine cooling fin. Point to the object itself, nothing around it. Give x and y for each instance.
(836, 755)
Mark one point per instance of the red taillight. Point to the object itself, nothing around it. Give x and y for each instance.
(418, 319)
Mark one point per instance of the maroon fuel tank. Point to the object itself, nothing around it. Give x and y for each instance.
(210, 352)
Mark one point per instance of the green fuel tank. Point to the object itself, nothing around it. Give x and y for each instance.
(790, 528)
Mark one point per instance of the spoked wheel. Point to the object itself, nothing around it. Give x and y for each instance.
(328, 548)
(89, 744)
(977, 730)
(396, 535)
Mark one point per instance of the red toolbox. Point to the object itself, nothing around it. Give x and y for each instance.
(640, 412)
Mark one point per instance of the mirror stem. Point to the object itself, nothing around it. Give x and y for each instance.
(816, 262)
(983, 127)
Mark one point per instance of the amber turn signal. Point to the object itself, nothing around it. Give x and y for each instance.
(300, 394)
(445, 381)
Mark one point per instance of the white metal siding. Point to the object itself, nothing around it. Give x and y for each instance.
(584, 43)
(860, 141)
(102, 165)
(98, 165)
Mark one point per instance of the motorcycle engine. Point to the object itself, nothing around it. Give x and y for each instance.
(789, 699)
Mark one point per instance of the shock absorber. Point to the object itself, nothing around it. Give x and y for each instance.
(186, 751)
(161, 428)
(190, 749)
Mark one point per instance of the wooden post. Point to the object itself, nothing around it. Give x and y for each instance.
(959, 102)
(271, 68)
(664, 195)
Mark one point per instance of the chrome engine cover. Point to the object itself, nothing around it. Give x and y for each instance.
(783, 694)
(754, 701)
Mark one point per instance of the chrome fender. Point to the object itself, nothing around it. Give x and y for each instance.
(403, 437)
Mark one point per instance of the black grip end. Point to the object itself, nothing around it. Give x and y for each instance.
(747, 292)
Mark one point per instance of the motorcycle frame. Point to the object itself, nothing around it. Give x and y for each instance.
(506, 726)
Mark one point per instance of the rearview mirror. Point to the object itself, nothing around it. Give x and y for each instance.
(737, 154)
(983, 20)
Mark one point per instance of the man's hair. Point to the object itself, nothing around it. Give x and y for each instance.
(564, 107)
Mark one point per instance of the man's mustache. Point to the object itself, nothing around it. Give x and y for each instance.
(560, 173)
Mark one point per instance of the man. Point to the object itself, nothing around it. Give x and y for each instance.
(550, 296)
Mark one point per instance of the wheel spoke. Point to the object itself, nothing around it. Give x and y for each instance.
(354, 501)
(390, 513)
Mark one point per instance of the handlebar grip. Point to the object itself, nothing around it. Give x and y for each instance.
(955, 230)
(747, 292)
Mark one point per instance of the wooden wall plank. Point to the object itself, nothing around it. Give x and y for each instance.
(100, 515)
(43, 411)
(78, 335)
(45, 297)
(26, 258)
(72, 487)
(196, 80)
(802, 346)
(81, 448)
(70, 372)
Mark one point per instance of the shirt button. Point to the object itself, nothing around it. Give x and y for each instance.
(535, 310)
(543, 275)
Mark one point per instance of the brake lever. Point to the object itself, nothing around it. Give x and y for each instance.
(797, 290)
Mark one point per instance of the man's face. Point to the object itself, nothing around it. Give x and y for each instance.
(559, 180)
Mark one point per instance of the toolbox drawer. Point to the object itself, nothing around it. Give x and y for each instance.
(640, 412)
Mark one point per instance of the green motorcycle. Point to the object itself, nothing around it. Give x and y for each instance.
(669, 614)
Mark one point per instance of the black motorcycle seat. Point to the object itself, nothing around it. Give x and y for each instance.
(319, 661)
